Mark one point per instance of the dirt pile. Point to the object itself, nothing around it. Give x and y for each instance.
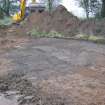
(60, 20)
(93, 27)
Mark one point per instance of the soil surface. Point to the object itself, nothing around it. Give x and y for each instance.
(48, 71)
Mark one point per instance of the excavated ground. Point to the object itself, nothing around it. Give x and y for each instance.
(63, 22)
(48, 71)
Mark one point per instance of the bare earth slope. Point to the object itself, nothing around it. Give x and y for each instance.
(52, 71)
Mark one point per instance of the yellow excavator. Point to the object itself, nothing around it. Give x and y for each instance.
(19, 16)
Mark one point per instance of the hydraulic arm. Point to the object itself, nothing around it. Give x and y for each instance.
(19, 16)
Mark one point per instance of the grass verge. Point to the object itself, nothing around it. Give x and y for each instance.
(6, 21)
(51, 34)
(92, 38)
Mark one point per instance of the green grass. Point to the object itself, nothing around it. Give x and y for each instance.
(6, 21)
(93, 38)
(54, 34)
(51, 34)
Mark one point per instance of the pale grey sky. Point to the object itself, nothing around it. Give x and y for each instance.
(73, 7)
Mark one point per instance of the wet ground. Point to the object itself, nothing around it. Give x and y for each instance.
(48, 71)
(5, 101)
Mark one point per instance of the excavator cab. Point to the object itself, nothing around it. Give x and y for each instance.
(19, 16)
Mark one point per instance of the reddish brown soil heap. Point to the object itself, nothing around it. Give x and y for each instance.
(60, 20)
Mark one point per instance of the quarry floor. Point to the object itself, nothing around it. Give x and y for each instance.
(49, 71)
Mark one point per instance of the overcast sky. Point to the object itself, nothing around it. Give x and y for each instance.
(73, 7)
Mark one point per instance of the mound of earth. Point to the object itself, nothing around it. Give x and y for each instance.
(60, 20)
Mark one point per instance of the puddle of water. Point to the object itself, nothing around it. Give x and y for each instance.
(6, 101)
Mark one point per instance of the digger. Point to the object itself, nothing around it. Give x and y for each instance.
(19, 16)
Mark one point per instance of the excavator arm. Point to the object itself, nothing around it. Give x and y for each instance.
(19, 16)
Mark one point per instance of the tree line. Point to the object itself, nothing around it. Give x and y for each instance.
(92, 7)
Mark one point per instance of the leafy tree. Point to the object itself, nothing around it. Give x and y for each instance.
(1, 13)
(4, 7)
(85, 4)
(91, 7)
(7, 6)
(95, 7)
(103, 9)
(51, 4)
